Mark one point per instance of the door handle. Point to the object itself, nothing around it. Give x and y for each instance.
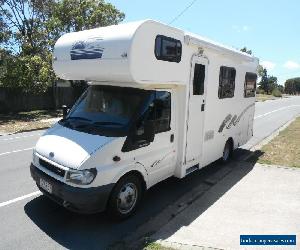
(202, 107)
(172, 138)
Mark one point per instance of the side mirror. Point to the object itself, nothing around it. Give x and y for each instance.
(140, 137)
(65, 111)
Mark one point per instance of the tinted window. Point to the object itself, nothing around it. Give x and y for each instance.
(226, 82)
(105, 110)
(107, 104)
(250, 84)
(161, 111)
(198, 81)
(167, 49)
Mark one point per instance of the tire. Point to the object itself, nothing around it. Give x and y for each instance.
(227, 152)
(125, 197)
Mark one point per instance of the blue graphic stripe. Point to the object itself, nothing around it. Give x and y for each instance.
(85, 51)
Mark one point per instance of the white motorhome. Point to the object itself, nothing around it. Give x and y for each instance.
(161, 102)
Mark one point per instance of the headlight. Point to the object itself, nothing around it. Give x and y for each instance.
(81, 177)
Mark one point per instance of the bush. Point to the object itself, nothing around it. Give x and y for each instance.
(276, 93)
(260, 91)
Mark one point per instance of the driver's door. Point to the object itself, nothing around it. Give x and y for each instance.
(159, 156)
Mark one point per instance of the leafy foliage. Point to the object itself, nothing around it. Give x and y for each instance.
(269, 83)
(30, 28)
(276, 92)
(292, 86)
(33, 73)
(246, 50)
(260, 70)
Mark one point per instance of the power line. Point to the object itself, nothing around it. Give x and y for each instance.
(183, 11)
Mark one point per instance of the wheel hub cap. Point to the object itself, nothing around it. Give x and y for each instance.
(127, 198)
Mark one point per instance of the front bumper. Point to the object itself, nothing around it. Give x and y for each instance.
(81, 200)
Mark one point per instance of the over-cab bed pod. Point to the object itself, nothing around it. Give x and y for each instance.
(122, 53)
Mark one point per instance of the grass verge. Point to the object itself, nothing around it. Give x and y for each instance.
(156, 246)
(284, 149)
(263, 97)
(26, 121)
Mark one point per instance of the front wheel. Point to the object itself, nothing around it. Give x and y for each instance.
(125, 197)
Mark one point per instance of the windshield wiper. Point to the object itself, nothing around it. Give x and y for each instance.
(108, 123)
(77, 118)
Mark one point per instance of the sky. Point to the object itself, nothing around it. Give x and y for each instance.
(270, 28)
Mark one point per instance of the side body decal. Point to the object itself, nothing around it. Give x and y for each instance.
(230, 120)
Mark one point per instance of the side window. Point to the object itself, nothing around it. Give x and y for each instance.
(226, 82)
(167, 49)
(161, 111)
(198, 81)
(250, 84)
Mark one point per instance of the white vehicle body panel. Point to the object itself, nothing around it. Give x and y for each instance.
(67, 142)
(123, 55)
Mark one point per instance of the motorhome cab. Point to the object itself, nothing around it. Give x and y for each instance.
(161, 102)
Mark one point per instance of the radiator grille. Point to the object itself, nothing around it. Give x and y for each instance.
(52, 168)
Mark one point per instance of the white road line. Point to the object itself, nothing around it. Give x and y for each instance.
(259, 116)
(3, 204)
(19, 137)
(15, 151)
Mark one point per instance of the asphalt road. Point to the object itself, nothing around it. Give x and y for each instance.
(34, 222)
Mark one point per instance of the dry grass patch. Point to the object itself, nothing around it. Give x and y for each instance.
(284, 149)
(26, 121)
(262, 97)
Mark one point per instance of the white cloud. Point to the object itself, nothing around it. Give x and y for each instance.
(291, 65)
(268, 65)
(239, 28)
(245, 28)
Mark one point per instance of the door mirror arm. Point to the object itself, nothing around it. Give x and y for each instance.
(65, 111)
(149, 132)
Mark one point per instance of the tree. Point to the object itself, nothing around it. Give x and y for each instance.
(246, 50)
(260, 70)
(269, 83)
(292, 86)
(280, 88)
(272, 83)
(30, 28)
(264, 80)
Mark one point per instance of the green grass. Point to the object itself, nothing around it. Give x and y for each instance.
(284, 149)
(156, 246)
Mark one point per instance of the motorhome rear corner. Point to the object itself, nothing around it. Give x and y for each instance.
(161, 102)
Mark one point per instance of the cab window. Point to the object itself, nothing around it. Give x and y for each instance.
(250, 84)
(160, 111)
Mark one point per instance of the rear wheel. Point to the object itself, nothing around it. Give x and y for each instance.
(227, 152)
(125, 197)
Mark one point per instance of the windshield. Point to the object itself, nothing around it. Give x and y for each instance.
(105, 110)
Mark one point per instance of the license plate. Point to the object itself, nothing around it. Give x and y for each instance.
(46, 186)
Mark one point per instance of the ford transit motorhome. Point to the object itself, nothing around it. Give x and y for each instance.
(161, 102)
